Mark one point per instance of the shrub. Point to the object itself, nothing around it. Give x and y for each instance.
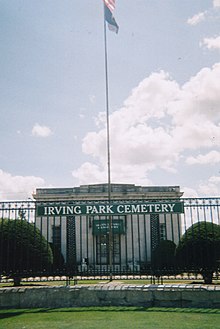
(199, 249)
(23, 249)
(58, 259)
(163, 257)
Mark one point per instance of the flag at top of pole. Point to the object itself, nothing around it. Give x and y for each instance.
(109, 6)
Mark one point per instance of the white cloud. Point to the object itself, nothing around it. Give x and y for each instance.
(212, 157)
(189, 192)
(196, 19)
(18, 187)
(41, 131)
(211, 43)
(90, 173)
(157, 123)
(216, 3)
(202, 16)
(210, 187)
(196, 111)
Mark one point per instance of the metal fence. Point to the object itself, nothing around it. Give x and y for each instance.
(91, 246)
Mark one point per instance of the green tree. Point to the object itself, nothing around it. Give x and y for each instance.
(23, 249)
(199, 249)
(58, 259)
(163, 257)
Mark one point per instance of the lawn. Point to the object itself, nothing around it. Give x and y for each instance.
(110, 317)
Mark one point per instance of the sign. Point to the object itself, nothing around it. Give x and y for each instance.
(101, 227)
(70, 209)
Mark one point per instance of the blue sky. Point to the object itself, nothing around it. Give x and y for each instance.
(164, 78)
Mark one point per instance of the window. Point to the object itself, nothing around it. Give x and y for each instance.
(57, 236)
(162, 231)
(101, 231)
(102, 249)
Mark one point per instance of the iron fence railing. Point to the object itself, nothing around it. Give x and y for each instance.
(66, 245)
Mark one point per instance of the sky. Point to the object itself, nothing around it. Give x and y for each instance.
(163, 87)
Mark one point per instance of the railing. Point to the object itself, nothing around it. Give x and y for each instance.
(141, 244)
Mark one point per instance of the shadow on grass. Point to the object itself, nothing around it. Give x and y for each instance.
(13, 313)
(9, 314)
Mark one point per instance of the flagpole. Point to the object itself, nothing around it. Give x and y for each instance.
(108, 144)
(107, 113)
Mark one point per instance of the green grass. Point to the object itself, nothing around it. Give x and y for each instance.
(110, 317)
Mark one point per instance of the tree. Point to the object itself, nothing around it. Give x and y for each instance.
(23, 249)
(199, 249)
(163, 257)
(58, 259)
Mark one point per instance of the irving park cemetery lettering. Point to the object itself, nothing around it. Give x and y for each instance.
(109, 209)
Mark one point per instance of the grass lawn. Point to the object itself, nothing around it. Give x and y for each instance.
(110, 317)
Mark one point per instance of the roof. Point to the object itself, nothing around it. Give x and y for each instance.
(100, 191)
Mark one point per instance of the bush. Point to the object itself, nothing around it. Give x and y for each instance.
(23, 249)
(163, 257)
(199, 249)
(58, 259)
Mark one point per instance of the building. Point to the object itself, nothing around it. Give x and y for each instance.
(92, 233)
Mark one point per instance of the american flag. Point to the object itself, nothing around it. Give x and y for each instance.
(110, 4)
(109, 7)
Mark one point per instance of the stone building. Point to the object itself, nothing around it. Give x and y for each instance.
(93, 233)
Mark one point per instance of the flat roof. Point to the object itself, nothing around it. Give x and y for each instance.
(103, 188)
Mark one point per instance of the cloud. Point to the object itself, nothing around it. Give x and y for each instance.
(41, 131)
(158, 122)
(189, 192)
(211, 187)
(90, 173)
(196, 19)
(212, 157)
(211, 43)
(216, 3)
(18, 187)
(210, 13)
